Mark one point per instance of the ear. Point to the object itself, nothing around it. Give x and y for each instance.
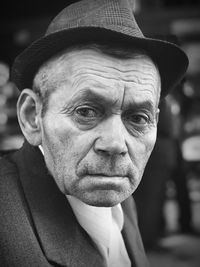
(28, 111)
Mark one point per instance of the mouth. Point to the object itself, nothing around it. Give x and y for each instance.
(106, 179)
(109, 175)
(99, 181)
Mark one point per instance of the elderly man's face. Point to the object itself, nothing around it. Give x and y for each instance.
(100, 125)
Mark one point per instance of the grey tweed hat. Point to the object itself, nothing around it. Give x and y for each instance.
(99, 21)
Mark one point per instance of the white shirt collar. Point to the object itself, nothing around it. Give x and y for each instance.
(97, 221)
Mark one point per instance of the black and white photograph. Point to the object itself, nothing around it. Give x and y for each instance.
(100, 133)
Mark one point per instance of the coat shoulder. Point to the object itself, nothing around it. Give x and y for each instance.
(8, 178)
(19, 246)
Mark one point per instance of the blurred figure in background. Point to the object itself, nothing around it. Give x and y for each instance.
(179, 175)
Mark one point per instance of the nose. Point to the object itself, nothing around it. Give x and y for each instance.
(112, 137)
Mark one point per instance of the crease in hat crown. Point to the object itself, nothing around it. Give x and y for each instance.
(115, 15)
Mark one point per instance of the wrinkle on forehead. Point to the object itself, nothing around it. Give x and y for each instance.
(108, 65)
(140, 70)
(118, 74)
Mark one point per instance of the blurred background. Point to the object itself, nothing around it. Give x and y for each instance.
(168, 199)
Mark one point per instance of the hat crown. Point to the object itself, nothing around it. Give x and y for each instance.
(110, 14)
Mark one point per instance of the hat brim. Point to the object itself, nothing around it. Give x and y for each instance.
(172, 62)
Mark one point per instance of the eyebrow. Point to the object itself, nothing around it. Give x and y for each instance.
(147, 104)
(91, 95)
(87, 94)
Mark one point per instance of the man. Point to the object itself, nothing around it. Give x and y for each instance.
(88, 109)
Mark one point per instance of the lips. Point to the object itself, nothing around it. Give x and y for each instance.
(106, 174)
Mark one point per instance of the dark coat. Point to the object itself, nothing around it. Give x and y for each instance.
(37, 225)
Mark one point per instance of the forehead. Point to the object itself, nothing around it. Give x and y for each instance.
(71, 61)
(76, 70)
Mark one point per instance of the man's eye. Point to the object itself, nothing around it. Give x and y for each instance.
(87, 112)
(139, 119)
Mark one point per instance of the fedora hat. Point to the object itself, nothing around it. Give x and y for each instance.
(99, 21)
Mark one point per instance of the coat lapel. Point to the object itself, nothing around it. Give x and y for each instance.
(131, 235)
(62, 239)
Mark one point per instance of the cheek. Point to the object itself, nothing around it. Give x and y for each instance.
(66, 140)
(59, 131)
(150, 141)
(55, 141)
(141, 149)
